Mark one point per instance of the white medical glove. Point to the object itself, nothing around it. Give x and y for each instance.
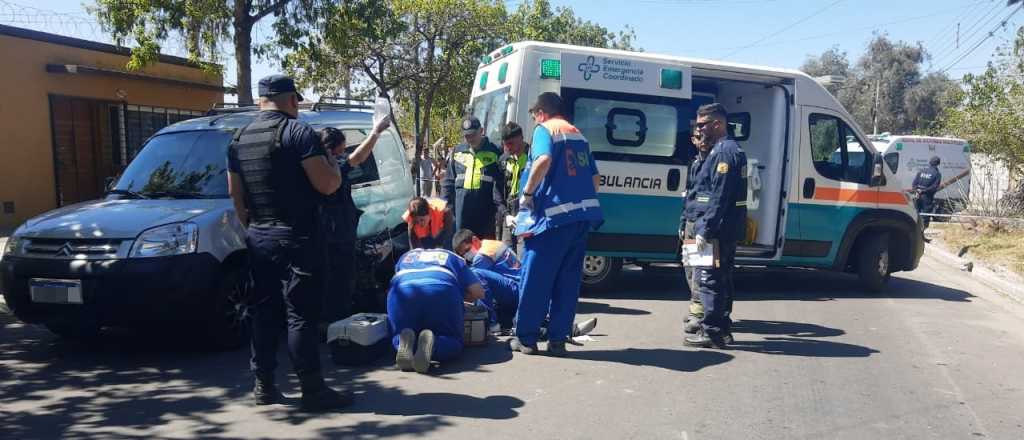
(700, 242)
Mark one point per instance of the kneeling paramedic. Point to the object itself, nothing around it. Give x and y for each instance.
(720, 213)
(557, 209)
(278, 173)
(499, 272)
(430, 223)
(425, 307)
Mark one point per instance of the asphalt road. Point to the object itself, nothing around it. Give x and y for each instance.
(936, 356)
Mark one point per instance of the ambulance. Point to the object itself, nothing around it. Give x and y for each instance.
(810, 203)
(906, 155)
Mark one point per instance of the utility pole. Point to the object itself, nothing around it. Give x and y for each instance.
(874, 109)
(958, 36)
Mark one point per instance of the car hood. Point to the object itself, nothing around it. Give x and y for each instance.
(112, 218)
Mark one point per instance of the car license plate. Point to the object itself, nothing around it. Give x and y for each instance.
(53, 291)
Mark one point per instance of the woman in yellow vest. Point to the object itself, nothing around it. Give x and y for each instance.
(430, 226)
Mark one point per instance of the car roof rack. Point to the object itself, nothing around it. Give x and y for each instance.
(341, 103)
(222, 108)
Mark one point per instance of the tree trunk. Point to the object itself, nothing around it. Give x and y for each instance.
(243, 51)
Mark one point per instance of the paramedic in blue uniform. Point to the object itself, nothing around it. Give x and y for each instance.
(486, 254)
(278, 174)
(425, 307)
(686, 226)
(558, 207)
(720, 214)
(340, 218)
(926, 184)
(468, 185)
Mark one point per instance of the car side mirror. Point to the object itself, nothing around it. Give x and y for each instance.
(108, 183)
(877, 174)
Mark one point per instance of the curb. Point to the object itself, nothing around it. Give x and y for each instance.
(1009, 285)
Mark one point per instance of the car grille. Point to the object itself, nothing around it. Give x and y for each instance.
(76, 249)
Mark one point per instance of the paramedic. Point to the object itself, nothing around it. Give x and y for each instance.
(486, 254)
(720, 213)
(560, 207)
(430, 223)
(686, 224)
(468, 185)
(278, 173)
(425, 307)
(926, 184)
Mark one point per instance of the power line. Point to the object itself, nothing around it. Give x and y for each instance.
(814, 14)
(991, 34)
(949, 39)
(951, 46)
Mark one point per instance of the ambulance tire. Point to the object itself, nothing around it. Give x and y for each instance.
(873, 262)
(600, 272)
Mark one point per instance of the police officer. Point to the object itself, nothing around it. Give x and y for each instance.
(468, 185)
(340, 219)
(425, 307)
(686, 226)
(278, 173)
(719, 213)
(926, 184)
(558, 207)
(513, 164)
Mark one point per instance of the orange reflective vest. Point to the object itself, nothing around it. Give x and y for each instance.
(436, 225)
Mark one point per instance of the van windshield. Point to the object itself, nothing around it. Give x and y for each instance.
(179, 165)
(491, 109)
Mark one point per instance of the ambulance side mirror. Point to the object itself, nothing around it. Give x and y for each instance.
(877, 174)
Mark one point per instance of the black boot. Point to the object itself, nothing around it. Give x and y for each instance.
(318, 397)
(705, 340)
(266, 393)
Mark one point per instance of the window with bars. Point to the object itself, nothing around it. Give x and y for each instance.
(141, 122)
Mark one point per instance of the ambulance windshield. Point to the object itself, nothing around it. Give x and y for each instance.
(491, 109)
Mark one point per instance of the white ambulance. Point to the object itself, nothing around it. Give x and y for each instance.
(810, 204)
(906, 155)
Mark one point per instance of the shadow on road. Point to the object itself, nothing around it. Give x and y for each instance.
(584, 306)
(802, 347)
(130, 383)
(677, 360)
(794, 329)
(825, 286)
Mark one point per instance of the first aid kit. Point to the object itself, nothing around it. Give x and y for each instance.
(475, 325)
(359, 339)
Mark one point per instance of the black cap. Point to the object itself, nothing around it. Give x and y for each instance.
(277, 84)
(934, 161)
(470, 125)
(511, 130)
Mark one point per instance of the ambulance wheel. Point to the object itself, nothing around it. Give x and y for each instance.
(873, 265)
(600, 272)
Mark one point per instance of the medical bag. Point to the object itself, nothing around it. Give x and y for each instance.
(359, 339)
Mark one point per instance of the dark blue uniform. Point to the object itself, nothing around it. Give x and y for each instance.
(926, 183)
(468, 187)
(719, 208)
(286, 255)
(686, 224)
(340, 220)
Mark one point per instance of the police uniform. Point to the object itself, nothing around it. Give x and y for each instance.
(427, 292)
(468, 187)
(340, 218)
(565, 208)
(927, 182)
(513, 166)
(495, 256)
(286, 255)
(720, 214)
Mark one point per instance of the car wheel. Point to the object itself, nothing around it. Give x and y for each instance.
(873, 265)
(228, 326)
(600, 272)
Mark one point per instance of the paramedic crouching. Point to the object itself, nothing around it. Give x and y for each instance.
(720, 214)
(430, 223)
(425, 307)
(558, 208)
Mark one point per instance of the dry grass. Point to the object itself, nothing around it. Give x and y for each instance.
(988, 242)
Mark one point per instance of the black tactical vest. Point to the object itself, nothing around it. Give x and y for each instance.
(254, 145)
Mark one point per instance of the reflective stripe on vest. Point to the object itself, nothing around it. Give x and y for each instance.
(475, 164)
(567, 208)
(437, 269)
(436, 207)
(513, 169)
(706, 199)
(254, 145)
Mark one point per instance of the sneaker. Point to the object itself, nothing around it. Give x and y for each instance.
(495, 329)
(266, 393)
(515, 344)
(583, 328)
(727, 338)
(421, 361)
(704, 340)
(325, 399)
(406, 341)
(692, 324)
(557, 349)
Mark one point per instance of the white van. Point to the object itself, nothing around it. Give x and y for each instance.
(807, 206)
(906, 155)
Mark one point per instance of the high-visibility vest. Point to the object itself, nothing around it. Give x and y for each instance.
(436, 209)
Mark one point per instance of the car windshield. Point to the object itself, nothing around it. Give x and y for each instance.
(179, 165)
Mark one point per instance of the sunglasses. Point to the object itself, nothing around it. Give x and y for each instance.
(701, 125)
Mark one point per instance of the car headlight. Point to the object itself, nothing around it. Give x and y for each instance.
(166, 240)
(10, 247)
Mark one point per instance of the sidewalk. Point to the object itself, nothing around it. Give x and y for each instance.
(1007, 283)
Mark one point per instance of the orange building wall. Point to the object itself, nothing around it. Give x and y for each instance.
(26, 147)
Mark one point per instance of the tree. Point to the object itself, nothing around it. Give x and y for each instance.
(831, 62)
(204, 25)
(535, 20)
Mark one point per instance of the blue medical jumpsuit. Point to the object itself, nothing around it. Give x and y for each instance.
(427, 292)
(565, 209)
(496, 256)
(720, 216)
(501, 293)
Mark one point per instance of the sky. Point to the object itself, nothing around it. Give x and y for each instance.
(777, 33)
